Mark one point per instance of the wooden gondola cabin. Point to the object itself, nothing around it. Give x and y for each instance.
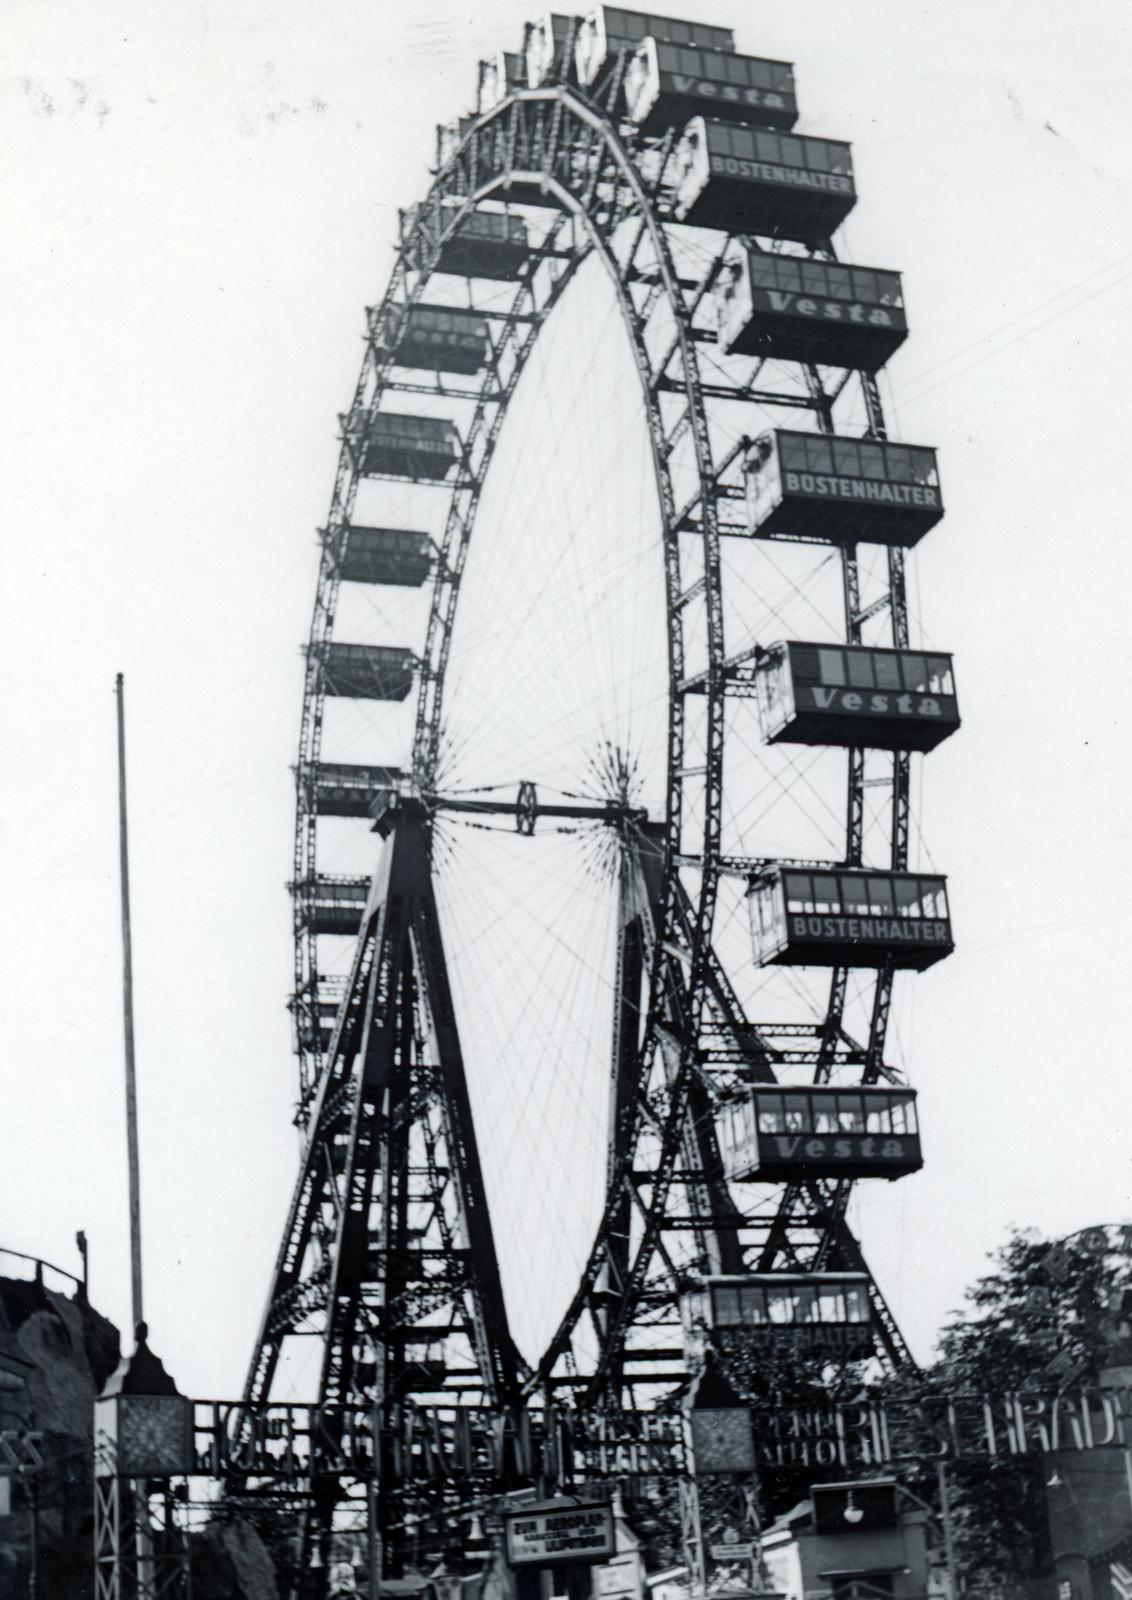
(546, 48)
(666, 83)
(750, 180)
(499, 76)
(346, 789)
(607, 29)
(315, 1013)
(492, 245)
(450, 136)
(776, 1134)
(384, 555)
(789, 308)
(325, 1018)
(367, 671)
(435, 338)
(849, 917)
(331, 905)
(840, 490)
(394, 445)
(852, 696)
(820, 1312)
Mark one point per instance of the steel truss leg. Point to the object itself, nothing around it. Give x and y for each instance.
(135, 1558)
(717, 1510)
(640, 913)
(107, 1540)
(389, 1231)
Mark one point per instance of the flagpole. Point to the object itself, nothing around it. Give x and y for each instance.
(128, 1020)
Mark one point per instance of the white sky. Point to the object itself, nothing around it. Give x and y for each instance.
(200, 200)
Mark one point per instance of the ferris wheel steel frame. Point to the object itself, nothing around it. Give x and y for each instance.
(613, 199)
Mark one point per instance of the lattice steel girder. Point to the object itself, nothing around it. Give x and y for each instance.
(394, 1072)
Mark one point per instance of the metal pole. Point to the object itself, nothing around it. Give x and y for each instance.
(374, 1546)
(143, 1538)
(373, 1535)
(692, 1535)
(143, 1541)
(33, 1569)
(128, 1017)
(945, 1514)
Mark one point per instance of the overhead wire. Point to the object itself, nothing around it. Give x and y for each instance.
(975, 344)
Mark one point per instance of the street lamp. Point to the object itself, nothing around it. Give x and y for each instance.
(852, 1513)
(944, 1520)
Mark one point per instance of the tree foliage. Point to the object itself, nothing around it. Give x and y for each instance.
(1050, 1315)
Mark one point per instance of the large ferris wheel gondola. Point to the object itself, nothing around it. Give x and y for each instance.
(698, 699)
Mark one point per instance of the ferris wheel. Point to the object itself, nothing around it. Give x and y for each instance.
(603, 863)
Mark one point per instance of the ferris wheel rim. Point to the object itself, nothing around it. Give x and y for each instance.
(429, 723)
(707, 864)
